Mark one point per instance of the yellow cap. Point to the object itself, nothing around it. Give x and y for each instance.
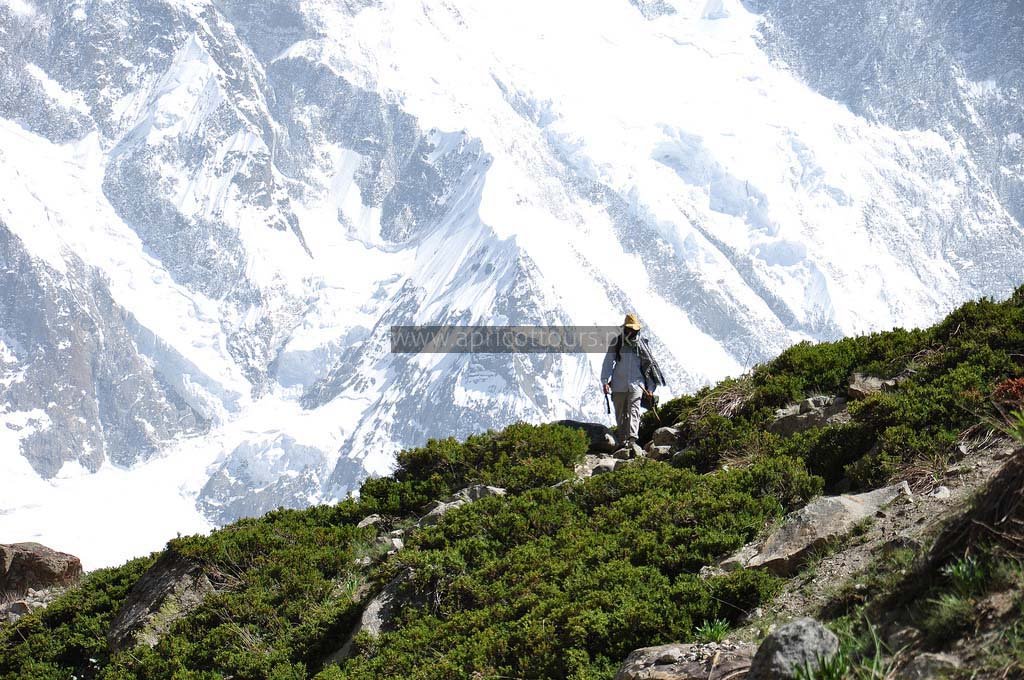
(632, 322)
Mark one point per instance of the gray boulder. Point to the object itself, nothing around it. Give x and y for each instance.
(861, 385)
(822, 520)
(169, 590)
(597, 465)
(711, 661)
(12, 611)
(478, 491)
(659, 452)
(609, 464)
(600, 437)
(790, 647)
(458, 499)
(33, 565)
(378, 615)
(739, 559)
(631, 450)
(811, 412)
(665, 436)
(369, 521)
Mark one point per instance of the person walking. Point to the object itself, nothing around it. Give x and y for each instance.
(628, 373)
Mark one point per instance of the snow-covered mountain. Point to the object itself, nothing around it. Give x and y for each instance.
(213, 211)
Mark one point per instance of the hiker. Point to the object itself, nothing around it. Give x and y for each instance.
(629, 373)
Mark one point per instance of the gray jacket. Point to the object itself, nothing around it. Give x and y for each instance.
(625, 372)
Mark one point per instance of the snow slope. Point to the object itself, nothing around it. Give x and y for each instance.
(244, 196)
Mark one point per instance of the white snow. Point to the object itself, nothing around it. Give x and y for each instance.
(746, 175)
(20, 7)
(56, 92)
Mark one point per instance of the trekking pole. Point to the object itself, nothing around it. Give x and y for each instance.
(607, 404)
(654, 405)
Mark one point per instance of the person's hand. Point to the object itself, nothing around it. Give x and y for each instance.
(607, 388)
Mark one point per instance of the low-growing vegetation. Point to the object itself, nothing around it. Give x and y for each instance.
(557, 579)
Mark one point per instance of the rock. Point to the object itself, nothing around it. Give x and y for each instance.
(33, 565)
(390, 544)
(440, 508)
(710, 571)
(477, 491)
(824, 519)
(861, 385)
(369, 520)
(168, 591)
(12, 611)
(930, 666)
(585, 468)
(898, 637)
(600, 437)
(459, 498)
(363, 561)
(811, 403)
(659, 452)
(811, 412)
(941, 492)
(632, 450)
(665, 436)
(739, 559)
(799, 643)
(378, 615)
(607, 464)
(711, 661)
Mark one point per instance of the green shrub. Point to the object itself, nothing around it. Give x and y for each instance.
(561, 582)
(60, 640)
(827, 451)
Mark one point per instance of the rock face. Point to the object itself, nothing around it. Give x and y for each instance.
(822, 520)
(32, 565)
(459, 498)
(800, 643)
(168, 591)
(712, 661)
(70, 358)
(811, 412)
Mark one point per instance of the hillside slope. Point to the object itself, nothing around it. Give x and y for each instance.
(523, 573)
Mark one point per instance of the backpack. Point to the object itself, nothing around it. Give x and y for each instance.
(648, 366)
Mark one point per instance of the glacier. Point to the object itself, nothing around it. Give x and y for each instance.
(214, 210)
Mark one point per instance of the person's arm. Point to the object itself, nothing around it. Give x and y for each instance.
(607, 367)
(650, 370)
